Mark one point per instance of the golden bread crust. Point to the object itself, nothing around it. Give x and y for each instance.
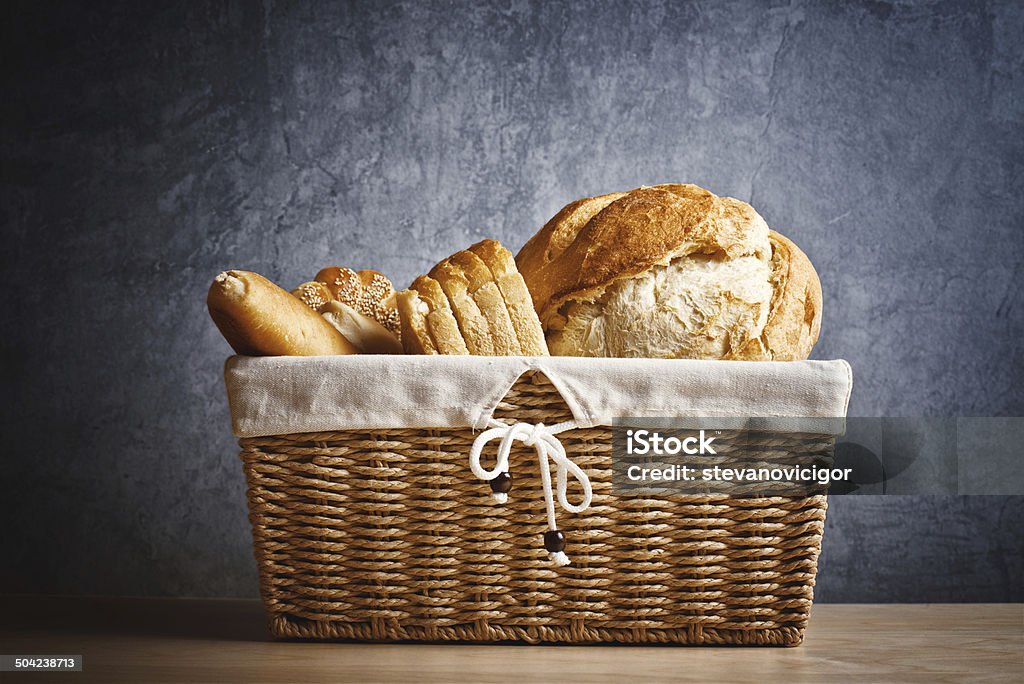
(558, 233)
(794, 320)
(258, 318)
(368, 292)
(639, 229)
(594, 243)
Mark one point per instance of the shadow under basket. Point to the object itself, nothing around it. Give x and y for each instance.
(386, 535)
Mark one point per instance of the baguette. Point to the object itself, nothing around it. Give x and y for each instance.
(258, 318)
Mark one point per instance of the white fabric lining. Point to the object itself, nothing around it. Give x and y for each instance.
(287, 395)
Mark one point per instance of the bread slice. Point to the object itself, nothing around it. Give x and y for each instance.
(413, 313)
(441, 323)
(517, 298)
(473, 302)
(473, 325)
(464, 273)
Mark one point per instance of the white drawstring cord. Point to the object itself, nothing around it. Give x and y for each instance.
(542, 438)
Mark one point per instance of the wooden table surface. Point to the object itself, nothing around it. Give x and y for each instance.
(186, 640)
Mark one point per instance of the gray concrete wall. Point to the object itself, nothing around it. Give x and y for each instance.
(145, 150)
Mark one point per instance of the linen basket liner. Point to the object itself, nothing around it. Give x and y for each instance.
(289, 395)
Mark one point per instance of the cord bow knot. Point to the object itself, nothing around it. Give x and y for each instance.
(543, 439)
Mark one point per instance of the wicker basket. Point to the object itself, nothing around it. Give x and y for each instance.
(386, 535)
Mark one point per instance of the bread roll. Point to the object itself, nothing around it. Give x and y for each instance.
(365, 333)
(368, 292)
(258, 318)
(670, 271)
(313, 294)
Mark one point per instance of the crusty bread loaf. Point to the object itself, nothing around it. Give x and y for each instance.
(258, 318)
(473, 302)
(670, 271)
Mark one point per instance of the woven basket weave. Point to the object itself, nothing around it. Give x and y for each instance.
(387, 535)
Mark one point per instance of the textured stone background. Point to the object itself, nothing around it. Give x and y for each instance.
(144, 151)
